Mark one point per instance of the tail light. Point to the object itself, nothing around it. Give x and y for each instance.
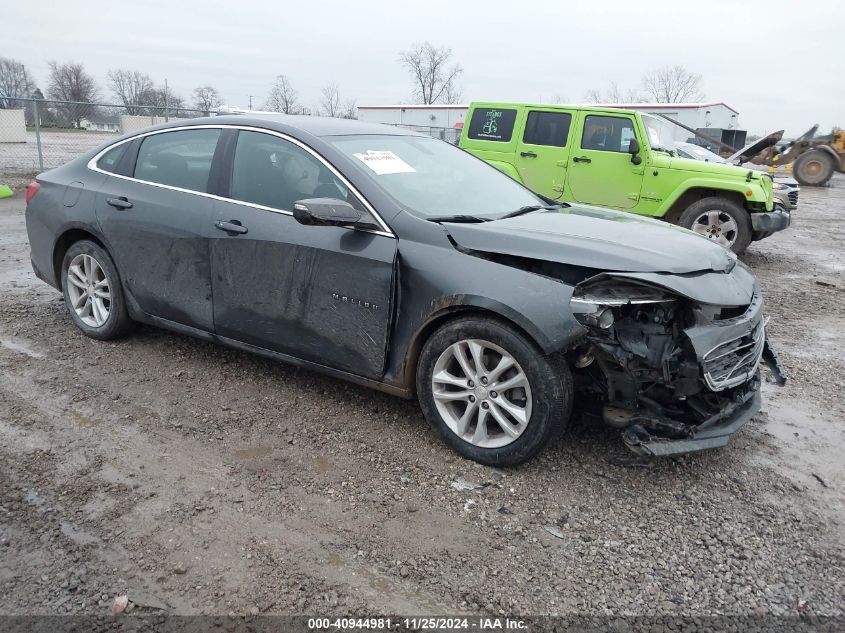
(33, 188)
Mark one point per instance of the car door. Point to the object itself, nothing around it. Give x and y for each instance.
(542, 152)
(600, 168)
(319, 293)
(157, 224)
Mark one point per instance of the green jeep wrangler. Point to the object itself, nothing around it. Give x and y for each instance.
(624, 160)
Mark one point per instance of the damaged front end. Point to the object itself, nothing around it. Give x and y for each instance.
(674, 374)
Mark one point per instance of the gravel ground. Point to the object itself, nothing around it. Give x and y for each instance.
(201, 480)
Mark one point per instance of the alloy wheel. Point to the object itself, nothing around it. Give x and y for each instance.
(88, 289)
(482, 393)
(717, 226)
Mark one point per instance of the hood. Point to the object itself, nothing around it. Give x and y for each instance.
(596, 238)
(750, 151)
(708, 167)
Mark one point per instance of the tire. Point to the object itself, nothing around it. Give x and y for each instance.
(102, 316)
(813, 168)
(544, 405)
(720, 220)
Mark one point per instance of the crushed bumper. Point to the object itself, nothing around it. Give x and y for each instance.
(764, 224)
(712, 433)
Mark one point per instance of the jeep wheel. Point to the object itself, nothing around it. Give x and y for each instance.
(490, 393)
(813, 168)
(719, 220)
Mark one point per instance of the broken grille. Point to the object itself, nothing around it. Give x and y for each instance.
(734, 362)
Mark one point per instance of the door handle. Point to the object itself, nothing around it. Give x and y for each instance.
(119, 203)
(528, 154)
(232, 226)
(583, 159)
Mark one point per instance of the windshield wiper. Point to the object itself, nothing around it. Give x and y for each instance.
(663, 149)
(464, 219)
(529, 209)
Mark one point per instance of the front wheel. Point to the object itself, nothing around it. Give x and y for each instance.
(490, 393)
(721, 221)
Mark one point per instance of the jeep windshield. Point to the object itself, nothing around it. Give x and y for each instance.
(433, 179)
(661, 134)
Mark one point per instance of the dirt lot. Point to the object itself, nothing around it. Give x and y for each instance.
(197, 479)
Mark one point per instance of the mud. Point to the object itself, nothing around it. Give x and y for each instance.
(197, 479)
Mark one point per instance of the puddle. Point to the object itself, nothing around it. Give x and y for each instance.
(36, 500)
(77, 534)
(16, 345)
(256, 452)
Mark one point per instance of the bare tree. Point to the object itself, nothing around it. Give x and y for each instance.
(206, 98)
(330, 100)
(349, 110)
(161, 99)
(70, 82)
(132, 88)
(15, 82)
(613, 94)
(673, 84)
(434, 80)
(282, 97)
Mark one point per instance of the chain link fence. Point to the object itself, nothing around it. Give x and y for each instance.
(38, 134)
(448, 134)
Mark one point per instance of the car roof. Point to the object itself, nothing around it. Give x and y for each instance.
(293, 123)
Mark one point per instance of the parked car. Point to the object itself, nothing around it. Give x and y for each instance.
(784, 189)
(625, 160)
(400, 262)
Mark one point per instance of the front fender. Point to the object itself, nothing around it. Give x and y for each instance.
(429, 290)
(758, 193)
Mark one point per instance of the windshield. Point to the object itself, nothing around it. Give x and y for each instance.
(661, 133)
(433, 178)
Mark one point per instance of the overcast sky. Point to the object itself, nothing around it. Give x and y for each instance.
(778, 63)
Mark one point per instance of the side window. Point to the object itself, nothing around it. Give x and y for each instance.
(492, 124)
(108, 161)
(179, 159)
(607, 133)
(275, 173)
(547, 128)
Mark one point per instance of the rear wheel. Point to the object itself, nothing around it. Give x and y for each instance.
(490, 393)
(720, 220)
(92, 291)
(813, 168)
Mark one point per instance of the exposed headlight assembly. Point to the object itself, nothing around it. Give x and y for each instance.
(593, 306)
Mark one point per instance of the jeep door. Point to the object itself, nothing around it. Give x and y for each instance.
(319, 293)
(601, 171)
(542, 151)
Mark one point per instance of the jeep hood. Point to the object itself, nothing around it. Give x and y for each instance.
(706, 167)
(592, 237)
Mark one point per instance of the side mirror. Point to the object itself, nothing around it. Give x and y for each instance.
(634, 150)
(325, 212)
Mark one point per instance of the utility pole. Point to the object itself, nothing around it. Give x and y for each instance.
(165, 100)
(250, 102)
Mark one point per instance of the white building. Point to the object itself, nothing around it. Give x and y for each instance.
(446, 116)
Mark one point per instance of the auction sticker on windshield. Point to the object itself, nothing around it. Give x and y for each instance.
(384, 162)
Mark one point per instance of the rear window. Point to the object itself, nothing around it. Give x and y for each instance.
(547, 128)
(179, 159)
(492, 124)
(108, 161)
